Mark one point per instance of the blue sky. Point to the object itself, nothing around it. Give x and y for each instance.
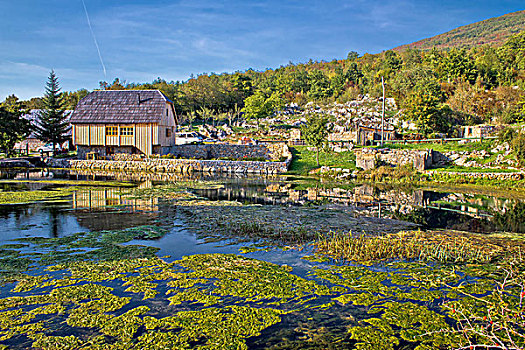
(141, 40)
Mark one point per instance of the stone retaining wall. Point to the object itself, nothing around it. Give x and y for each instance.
(217, 151)
(369, 158)
(158, 164)
(185, 166)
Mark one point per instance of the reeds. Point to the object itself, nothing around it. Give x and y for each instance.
(412, 245)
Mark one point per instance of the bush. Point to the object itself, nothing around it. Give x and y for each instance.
(403, 173)
(507, 134)
(518, 147)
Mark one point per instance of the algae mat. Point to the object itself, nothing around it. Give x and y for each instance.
(229, 301)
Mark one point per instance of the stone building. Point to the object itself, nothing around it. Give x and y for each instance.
(478, 131)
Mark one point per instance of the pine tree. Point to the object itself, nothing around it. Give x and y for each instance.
(52, 125)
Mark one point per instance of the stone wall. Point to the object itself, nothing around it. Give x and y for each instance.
(185, 166)
(218, 151)
(82, 151)
(279, 153)
(369, 158)
(270, 151)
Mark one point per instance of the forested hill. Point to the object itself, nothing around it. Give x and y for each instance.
(493, 31)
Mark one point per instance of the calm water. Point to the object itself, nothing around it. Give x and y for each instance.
(350, 207)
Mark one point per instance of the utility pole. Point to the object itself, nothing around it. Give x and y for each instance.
(383, 114)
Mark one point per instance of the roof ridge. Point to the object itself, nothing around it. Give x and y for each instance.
(128, 90)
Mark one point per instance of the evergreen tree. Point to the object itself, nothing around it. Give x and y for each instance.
(52, 125)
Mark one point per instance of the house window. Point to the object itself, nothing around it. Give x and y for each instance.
(111, 131)
(168, 132)
(126, 131)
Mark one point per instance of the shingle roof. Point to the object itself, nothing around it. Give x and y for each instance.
(121, 106)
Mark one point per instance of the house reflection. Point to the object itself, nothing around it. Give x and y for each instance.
(110, 209)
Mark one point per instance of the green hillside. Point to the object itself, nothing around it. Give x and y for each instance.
(493, 31)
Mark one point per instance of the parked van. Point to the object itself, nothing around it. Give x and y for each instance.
(184, 138)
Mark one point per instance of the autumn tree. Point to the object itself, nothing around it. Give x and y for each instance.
(13, 127)
(259, 106)
(425, 111)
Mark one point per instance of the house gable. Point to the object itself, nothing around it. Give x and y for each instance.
(121, 107)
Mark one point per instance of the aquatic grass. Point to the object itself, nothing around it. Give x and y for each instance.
(275, 224)
(416, 245)
(178, 190)
(73, 182)
(33, 196)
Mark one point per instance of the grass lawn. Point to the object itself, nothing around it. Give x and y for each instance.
(462, 169)
(304, 160)
(448, 146)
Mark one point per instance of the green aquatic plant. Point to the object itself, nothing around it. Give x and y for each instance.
(417, 245)
(33, 196)
(73, 293)
(495, 319)
(73, 182)
(101, 245)
(407, 321)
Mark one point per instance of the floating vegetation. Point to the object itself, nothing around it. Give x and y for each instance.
(178, 190)
(33, 196)
(413, 290)
(277, 224)
(102, 245)
(393, 295)
(216, 302)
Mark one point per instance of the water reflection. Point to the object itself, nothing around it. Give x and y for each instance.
(110, 208)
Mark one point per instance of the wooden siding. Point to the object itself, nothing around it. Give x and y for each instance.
(144, 137)
(168, 121)
(100, 198)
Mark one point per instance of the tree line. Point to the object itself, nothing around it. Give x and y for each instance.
(437, 89)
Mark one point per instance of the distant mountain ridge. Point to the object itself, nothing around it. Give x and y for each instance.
(493, 31)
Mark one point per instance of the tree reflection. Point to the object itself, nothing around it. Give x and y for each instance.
(513, 220)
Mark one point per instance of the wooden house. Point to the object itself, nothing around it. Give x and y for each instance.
(123, 121)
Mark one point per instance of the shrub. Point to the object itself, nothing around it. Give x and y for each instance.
(518, 147)
(506, 134)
